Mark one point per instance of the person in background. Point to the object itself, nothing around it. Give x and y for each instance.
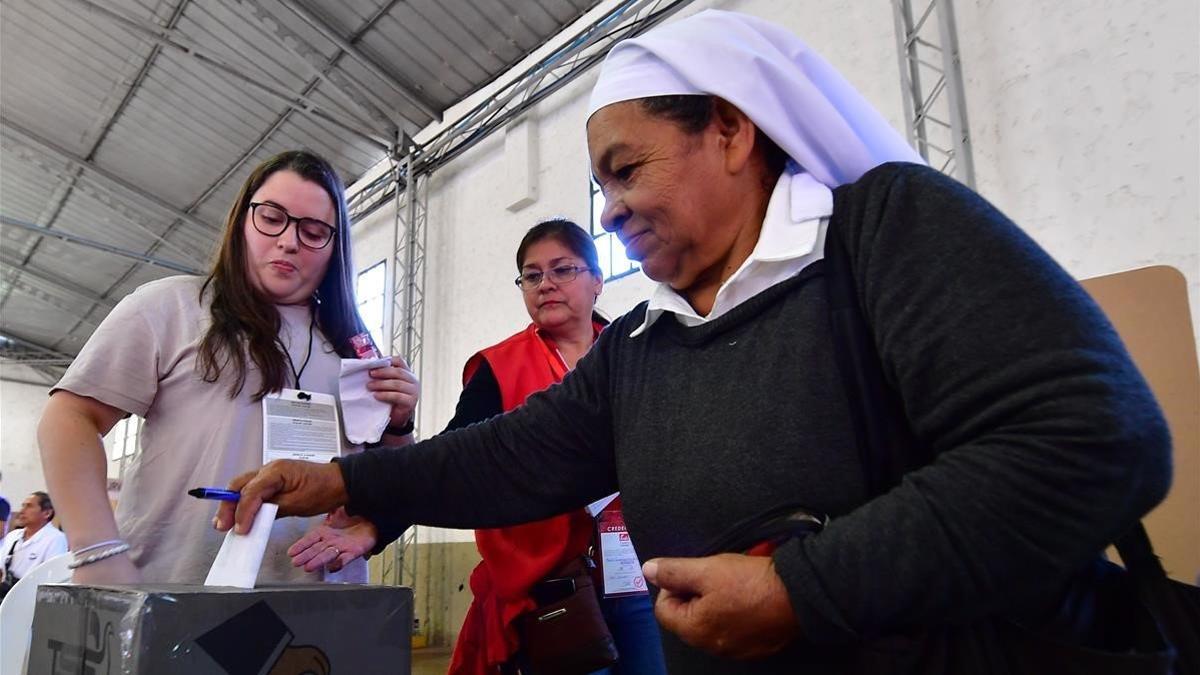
(731, 157)
(560, 280)
(5, 512)
(33, 541)
(200, 358)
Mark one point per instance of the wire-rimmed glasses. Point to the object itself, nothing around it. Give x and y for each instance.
(529, 281)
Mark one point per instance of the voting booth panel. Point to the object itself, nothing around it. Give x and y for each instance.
(1149, 308)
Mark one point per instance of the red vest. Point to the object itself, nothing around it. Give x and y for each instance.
(514, 558)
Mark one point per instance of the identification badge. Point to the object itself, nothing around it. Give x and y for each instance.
(300, 425)
(618, 561)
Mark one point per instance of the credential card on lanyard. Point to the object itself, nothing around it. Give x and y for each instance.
(618, 560)
(300, 425)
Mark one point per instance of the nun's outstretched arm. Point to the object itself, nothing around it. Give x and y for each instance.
(551, 455)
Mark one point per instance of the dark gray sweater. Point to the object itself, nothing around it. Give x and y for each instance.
(1047, 441)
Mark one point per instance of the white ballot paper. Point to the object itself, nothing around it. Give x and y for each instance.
(597, 506)
(241, 555)
(364, 417)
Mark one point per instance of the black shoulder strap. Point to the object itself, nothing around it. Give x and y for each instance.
(8, 557)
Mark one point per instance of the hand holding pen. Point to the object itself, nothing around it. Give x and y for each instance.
(299, 488)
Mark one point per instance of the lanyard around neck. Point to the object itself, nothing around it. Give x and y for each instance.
(307, 355)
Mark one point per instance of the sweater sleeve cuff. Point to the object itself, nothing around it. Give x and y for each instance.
(820, 621)
(388, 528)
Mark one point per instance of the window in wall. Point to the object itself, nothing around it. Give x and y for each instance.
(125, 438)
(371, 290)
(613, 263)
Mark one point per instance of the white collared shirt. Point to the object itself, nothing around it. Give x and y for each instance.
(792, 238)
(29, 553)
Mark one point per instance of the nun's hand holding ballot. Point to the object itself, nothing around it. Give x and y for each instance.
(300, 488)
(730, 605)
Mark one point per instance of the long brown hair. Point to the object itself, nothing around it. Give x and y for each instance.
(244, 321)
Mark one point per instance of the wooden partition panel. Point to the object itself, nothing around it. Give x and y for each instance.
(1149, 308)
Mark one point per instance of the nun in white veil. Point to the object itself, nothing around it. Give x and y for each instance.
(717, 141)
(729, 154)
(797, 105)
(678, 120)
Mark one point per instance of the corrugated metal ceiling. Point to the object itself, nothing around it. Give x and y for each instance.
(130, 124)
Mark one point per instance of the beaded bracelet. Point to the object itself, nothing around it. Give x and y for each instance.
(93, 547)
(97, 557)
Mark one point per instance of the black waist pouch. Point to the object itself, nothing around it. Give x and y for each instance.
(566, 634)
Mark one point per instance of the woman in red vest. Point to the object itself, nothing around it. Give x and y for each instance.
(560, 281)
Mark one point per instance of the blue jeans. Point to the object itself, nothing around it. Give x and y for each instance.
(635, 630)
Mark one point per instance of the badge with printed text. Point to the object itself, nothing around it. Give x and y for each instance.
(619, 562)
(300, 425)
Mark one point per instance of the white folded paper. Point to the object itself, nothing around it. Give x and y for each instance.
(241, 555)
(363, 416)
(597, 506)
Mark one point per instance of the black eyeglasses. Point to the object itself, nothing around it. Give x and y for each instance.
(273, 221)
(529, 281)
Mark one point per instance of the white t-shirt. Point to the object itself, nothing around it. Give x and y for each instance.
(142, 359)
(29, 553)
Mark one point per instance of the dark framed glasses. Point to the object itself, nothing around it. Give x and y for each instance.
(529, 281)
(273, 221)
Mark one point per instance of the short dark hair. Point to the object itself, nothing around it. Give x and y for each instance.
(693, 112)
(690, 112)
(44, 502)
(567, 233)
(574, 237)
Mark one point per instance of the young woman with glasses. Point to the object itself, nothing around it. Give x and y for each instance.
(196, 357)
(560, 280)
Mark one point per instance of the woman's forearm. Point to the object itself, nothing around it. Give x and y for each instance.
(75, 466)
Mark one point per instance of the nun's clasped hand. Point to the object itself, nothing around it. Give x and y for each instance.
(728, 605)
(397, 386)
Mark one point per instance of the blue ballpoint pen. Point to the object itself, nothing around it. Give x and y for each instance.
(215, 493)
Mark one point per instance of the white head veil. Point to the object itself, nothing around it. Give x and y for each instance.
(785, 88)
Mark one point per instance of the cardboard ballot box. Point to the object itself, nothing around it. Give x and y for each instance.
(180, 630)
